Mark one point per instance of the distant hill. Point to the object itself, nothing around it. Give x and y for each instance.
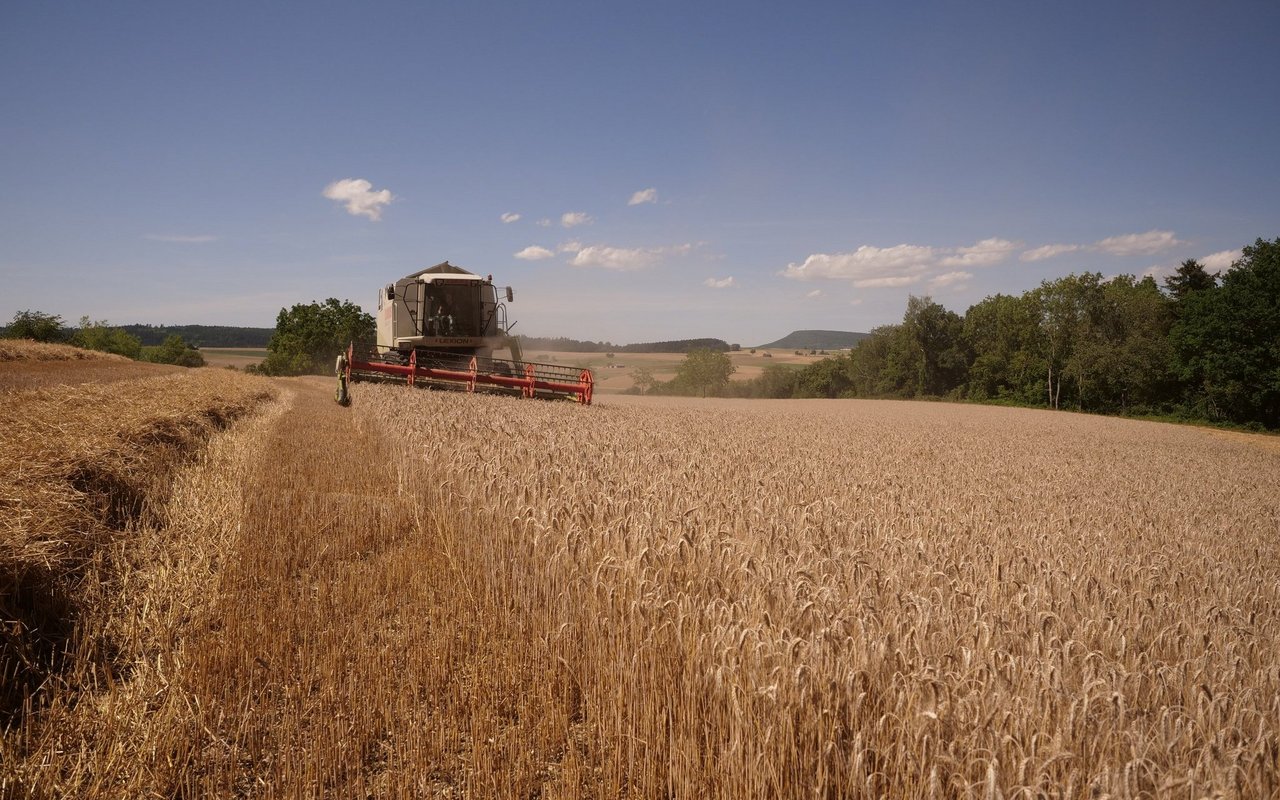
(564, 345)
(677, 346)
(817, 340)
(202, 335)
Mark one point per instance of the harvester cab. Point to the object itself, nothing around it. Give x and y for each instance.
(441, 327)
(444, 308)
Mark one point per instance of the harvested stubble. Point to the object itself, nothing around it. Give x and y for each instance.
(859, 598)
(27, 365)
(79, 467)
(29, 350)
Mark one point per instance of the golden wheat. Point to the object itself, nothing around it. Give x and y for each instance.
(798, 598)
(440, 594)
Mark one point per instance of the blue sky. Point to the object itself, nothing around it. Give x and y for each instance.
(665, 170)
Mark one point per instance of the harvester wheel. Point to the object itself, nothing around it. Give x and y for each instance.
(343, 395)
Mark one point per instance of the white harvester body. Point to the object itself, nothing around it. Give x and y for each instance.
(445, 309)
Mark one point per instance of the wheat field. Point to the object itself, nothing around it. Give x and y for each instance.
(435, 594)
(814, 598)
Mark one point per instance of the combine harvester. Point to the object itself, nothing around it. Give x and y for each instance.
(440, 327)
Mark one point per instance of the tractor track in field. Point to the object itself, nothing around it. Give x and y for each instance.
(320, 518)
(341, 656)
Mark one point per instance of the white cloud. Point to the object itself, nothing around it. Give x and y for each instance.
(572, 219)
(571, 246)
(983, 254)
(543, 223)
(649, 195)
(510, 217)
(1157, 271)
(1221, 261)
(886, 283)
(950, 278)
(359, 198)
(814, 293)
(856, 302)
(1138, 244)
(621, 259)
(720, 283)
(871, 267)
(179, 238)
(534, 253)
(867, 263)
(1129, 244)
(1048, 251)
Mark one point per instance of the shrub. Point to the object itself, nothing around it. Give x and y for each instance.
(36, 325)
(100, 335)
(173, 351)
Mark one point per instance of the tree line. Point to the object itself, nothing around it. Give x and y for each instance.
(201, 335)
(1203, 346)
(102, 336)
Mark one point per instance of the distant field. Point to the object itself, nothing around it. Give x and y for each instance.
(614, 375)
(232, 356)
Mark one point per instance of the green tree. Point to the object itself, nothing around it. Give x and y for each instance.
(1226, 341)
(704, 371)
(1063, 307)
(1141, 374)
(36, 325)
(1191, 276)
(642, 378)
(173, 351)
(308, 337)
(925, 354)
(776, 381)
(826, 378)
(866, 362)
(1003, 334)
(100, 335)
(1120, 351)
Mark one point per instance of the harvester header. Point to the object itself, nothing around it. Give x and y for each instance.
(441, 327)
